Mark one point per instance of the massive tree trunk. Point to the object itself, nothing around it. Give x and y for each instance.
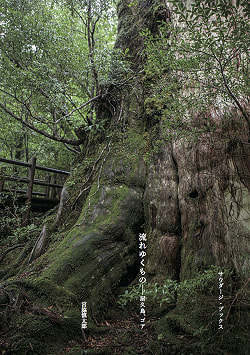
(190, 197)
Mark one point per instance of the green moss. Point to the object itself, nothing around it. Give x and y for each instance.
(35, 335)
(49, 293)
(85, 262)
(193, 324)
(154, 106)
(188, 266)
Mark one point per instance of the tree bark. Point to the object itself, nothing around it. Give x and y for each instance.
(190, 197)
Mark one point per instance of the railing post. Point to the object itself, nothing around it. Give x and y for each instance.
(53, 192)
(2, 179)
(26, 214)
(47, 179)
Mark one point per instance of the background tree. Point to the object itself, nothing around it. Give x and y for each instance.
(204, 57)
(54, 59)
(190, 197)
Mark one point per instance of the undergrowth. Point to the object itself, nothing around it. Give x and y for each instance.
(168, 291)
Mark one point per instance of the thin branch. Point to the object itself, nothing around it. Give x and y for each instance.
(80, 107)
(71, 149)
(80, 16)
(56, 138)
(9, 94)
(74, 105)
(91, 45)
(10, 249)
(234, 54)
(235, 298)
(244, 113)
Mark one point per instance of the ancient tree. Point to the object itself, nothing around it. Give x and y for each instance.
(189, 195)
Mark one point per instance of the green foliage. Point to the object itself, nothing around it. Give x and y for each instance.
(11, 229)
(200, 66)
(167, 292)
(21, 234)
(55, 57)
(153, 292)
(10, 215)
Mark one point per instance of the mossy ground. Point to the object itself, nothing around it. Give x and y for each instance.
(91, 251)
(120, 333)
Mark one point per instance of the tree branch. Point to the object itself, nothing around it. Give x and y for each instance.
(80, 107)
(71, 149)
(244, 113)
(74, 142)
(10, 249)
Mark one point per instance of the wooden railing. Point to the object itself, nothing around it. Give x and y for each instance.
(51, 185)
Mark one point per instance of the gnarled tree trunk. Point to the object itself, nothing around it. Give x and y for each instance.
(191, 198)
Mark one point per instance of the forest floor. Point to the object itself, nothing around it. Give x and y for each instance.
(119, 333)
(123, 336)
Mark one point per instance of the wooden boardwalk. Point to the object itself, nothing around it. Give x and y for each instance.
(35, 201)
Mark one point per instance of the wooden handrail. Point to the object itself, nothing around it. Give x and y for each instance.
(15, 162)
(28, 165)
(30, 180)
(35, 182)
(51, 170)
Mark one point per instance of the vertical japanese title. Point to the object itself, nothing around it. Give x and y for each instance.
(221, 283)
(84, 315)
(142, 278)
